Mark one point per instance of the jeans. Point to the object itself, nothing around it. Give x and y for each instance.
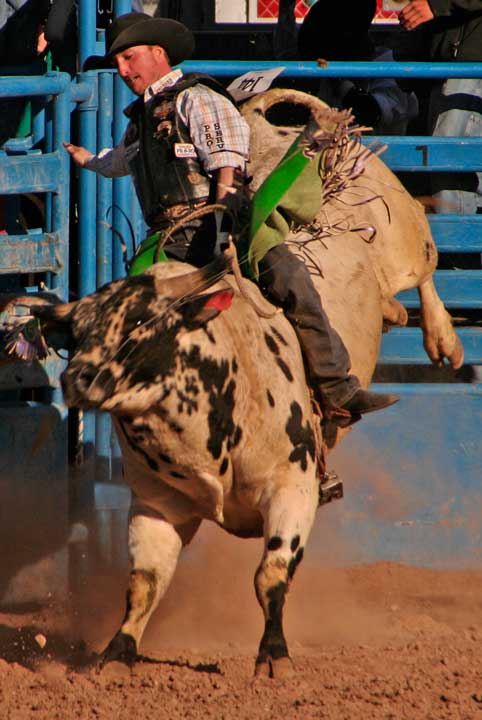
(456, 109)
(286, 281)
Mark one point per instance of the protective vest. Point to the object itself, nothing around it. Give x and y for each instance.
(167, 174)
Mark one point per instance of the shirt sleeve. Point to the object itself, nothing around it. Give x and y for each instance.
(110, 162)
(218, 131)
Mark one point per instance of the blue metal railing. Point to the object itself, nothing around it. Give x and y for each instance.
(407, 70)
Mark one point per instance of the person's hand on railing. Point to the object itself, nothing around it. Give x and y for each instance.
(415, 13)
(42, 43)
(80, 155)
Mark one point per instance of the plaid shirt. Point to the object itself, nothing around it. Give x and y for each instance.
(218, 131)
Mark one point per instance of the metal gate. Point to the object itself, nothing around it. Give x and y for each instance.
(33, 421)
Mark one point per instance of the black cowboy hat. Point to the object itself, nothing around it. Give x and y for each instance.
(141, 29)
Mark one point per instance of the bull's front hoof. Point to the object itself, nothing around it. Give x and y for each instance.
(120, 651)
(279, 669)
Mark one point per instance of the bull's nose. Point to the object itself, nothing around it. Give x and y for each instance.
(86, 376)
(85, 385)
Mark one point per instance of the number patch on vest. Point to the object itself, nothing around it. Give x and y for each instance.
(184, 150)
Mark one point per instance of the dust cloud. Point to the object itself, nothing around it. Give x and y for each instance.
(211, 603)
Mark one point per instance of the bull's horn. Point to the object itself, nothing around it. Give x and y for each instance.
(60, 312)
(193, 282)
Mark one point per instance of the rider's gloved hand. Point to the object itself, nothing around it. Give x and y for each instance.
(224, 225)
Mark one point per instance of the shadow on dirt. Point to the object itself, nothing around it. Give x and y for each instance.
(209, 668)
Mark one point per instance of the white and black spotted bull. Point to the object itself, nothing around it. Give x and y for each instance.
(213, 416)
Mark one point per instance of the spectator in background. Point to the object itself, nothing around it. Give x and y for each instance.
(454, 34)
(285, 32)
(340, 32)
(28, 28)
(20, 30)
(60, 33)
(193, 14)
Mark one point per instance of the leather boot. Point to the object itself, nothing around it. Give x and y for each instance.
(343, 416)
(364, 401)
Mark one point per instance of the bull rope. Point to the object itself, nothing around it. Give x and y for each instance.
(230, 252)
(343, 161)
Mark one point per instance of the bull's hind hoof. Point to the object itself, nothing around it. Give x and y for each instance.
(279, 669)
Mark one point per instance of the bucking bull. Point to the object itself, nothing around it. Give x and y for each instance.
(210, 401)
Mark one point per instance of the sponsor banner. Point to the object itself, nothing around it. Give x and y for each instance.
(267, 10)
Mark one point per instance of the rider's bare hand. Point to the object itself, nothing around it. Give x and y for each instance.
(80, 155)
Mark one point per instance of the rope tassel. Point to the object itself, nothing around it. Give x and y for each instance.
(25, 341)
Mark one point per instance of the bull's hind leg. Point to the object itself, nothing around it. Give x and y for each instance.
(439, 337)
(288, 523)
(154, 547)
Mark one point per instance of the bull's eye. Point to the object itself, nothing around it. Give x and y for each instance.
(134, 317)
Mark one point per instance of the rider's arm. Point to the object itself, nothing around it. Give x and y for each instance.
(220, 135)
(217, 129)
(110, 162)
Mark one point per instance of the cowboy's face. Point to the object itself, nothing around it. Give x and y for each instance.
(142, 65)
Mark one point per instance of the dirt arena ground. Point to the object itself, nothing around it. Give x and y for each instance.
(381, 640)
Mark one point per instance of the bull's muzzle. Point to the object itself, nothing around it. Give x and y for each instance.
(86, 386)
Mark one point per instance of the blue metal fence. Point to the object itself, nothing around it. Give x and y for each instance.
(33, 462)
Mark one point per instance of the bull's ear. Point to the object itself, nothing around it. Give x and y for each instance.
(200, 310)
(55, 323)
